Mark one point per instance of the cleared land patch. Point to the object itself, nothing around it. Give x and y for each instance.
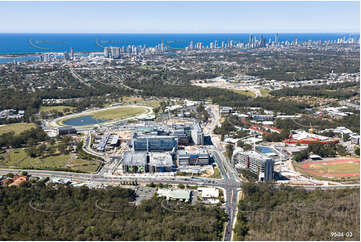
(16, 127)
(245, 92)
(55, 108)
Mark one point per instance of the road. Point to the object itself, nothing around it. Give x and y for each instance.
(230, 183)
(53, 124)
(231, 179)
(76, 76)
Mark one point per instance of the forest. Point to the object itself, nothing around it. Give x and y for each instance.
(338, 91)
(35, 211)
(351, 122)
(284, 213)
(223, 97)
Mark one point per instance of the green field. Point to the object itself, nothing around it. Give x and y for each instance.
(16, 127)
(216, 174)
(83, 165)
(119, 113)
(245, 92)
(55, 108)
(330, 168)
(265, 92)
(335, 168)
(19, 158)
(110, 114)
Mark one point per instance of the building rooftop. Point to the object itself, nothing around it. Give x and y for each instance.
(65, 128)
(207, 192)
(134, 158)
(160, 159)
(199, 152)
(114, 140)
(182, 194)
(255, 155)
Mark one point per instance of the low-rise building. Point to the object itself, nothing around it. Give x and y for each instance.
(175, 194)
(208, 192)
(66, 130)
(225, 110)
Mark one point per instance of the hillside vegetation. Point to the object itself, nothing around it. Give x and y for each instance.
(285, 213)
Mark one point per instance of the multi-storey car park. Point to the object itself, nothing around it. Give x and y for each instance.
(140, 162)
(256, 163)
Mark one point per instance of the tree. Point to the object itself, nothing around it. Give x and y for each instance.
(357, 151)
(300, 156)
(32, 152)
(11, 175)
(181, 186)
(229, 151)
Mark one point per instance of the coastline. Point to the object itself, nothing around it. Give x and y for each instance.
(42, 53)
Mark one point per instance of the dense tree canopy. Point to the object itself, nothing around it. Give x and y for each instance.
(41, 212)
(286, 213)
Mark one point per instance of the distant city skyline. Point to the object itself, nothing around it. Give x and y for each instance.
(180, 17)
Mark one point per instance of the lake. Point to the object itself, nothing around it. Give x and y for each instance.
(83, 120)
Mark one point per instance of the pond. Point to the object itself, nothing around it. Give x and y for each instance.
(83, 120)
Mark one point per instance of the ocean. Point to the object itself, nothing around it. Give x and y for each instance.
(35, 43)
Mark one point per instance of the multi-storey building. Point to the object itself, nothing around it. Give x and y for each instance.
(200, 157)
(256, 163)
(154, 143)
(197, 134)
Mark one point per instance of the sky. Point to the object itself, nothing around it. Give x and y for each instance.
(179, 17)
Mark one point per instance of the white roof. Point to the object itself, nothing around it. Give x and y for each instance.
(304, 135)
(207, 192)
(174, 193)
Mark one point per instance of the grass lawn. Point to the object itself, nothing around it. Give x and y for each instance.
(56, 108)
(151, 103)
(14, 156)
(110, 114)
(119, 113)
(245, 92)
(57, 161)
(265, 92)
(334, 168)
(20, 159)
(216, 174)
(84, 165)
(132, 100)
(16, 127)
